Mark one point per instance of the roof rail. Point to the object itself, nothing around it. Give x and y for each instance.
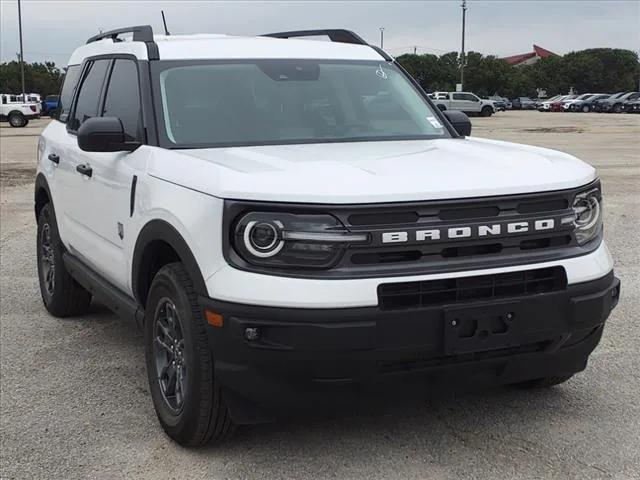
(141, 33)
(335, 35)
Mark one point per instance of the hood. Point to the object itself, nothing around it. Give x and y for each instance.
(371, 172)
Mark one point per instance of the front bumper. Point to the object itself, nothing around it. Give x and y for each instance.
(322, 357)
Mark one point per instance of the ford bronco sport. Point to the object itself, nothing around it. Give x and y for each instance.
(310, 230)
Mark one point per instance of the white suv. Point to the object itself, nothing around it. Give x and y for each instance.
(295, 224)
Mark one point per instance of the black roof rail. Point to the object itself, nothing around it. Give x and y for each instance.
(335, 35)
(141, 33)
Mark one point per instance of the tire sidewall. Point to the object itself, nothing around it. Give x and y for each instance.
(19, 116)
(166, 285)
(47, 216)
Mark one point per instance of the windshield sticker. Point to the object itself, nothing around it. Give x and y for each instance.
(381, 73)
(434, 121)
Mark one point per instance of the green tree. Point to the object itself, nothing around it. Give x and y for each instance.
(43, 78)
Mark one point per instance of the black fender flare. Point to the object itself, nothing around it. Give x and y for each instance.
(15, 111)
(41, 184)
(161, 230)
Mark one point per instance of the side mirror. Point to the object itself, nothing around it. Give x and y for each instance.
(441, 107)
(459, 121)
(104, 134)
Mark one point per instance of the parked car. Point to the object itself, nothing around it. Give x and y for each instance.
(615, 105)
(566, 104)
(632, 106)
(499, 103)
(466, 102)
(15, 112)
(596, 106)
(298, 249)
(50, 104)
(586, 105)
(523, 103)
(545, 105)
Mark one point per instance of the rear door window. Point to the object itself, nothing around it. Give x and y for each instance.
(86, 105)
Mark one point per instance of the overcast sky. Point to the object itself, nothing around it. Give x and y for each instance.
(52, 29)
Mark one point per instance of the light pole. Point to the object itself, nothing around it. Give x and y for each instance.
(462, 60)
(24, 93)
(381, 37)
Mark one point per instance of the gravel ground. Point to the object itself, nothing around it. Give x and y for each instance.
(75, 401)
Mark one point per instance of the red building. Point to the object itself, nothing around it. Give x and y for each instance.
(531, 57)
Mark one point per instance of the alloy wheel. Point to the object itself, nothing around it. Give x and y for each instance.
(168, 352)
(47, 260)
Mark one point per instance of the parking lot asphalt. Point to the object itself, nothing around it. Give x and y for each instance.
(74, 399)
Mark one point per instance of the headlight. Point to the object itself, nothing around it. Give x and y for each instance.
(286, 240)
(587, 210)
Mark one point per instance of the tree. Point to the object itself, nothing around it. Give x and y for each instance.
(43, 78)
(593, 70)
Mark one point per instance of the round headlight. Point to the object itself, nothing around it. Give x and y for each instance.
(263, 239)
(587, 211)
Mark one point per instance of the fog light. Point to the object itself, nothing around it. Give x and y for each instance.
(252, 334)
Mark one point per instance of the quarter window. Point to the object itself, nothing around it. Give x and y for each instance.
(66, 95)
(89, 94)
(123, 98)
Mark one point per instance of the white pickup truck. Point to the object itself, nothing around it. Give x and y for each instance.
(466, 102)
(17, 113)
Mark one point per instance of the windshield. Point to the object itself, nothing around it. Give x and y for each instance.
(267, 102)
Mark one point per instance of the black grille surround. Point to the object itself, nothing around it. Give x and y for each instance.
(429, 293)
(377, 259)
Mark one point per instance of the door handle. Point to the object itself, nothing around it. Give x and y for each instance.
(84, 169)
(54, 158)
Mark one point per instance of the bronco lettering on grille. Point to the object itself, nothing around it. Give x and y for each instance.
(475, 231)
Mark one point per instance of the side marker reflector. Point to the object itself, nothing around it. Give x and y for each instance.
(214, 319)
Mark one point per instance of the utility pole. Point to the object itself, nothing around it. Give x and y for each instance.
(414, 50)
(24, 93)
(462, 59)
(381, 37)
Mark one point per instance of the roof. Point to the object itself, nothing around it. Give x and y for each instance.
(537, 52)
(217, 46)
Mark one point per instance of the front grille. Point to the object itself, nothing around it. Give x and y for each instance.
(429, 293)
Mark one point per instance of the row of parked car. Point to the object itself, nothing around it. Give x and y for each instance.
(593, 102)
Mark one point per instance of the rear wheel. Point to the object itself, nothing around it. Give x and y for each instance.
(586, 108)
(617, 108)
(61, 294)
(17, 120)
(185, 394)
(545, 382)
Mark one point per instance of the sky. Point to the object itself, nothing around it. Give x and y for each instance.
(53, 29)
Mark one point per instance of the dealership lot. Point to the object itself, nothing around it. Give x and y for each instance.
(75, 402)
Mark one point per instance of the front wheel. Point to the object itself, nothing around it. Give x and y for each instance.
(17, 120)
(617, 108)
(185, 394)
(486, 112)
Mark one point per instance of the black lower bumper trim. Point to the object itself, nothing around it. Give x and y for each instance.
(300, 357)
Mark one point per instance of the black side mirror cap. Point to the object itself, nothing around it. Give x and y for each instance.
(104, 134)
(459, 121)
(441, 107)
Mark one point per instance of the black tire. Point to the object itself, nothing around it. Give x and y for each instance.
(61, 294)
(617, 108)
(486, 111)
(586, 108)
(187, 400)
(545, 382)
(17, 120)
